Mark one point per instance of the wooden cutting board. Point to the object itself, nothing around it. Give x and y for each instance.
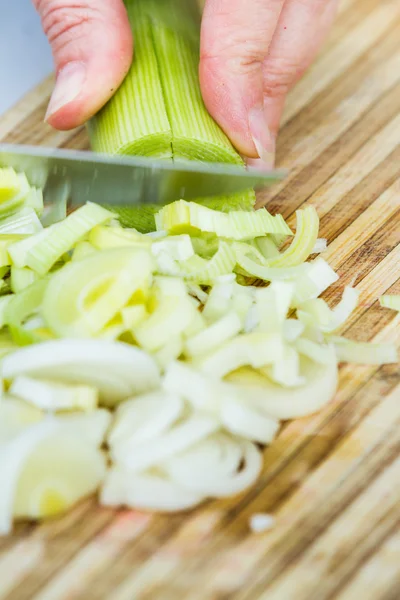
(331, 481)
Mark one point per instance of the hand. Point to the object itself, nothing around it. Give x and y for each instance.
(252, 53)
(92, 46)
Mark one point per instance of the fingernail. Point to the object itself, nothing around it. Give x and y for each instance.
(263, 139)
(69, 84)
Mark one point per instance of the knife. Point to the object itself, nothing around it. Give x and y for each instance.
(71, 178)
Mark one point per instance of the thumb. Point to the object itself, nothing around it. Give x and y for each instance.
(235, 39)
(92, 47)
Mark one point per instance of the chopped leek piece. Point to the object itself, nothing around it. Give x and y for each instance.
(102, 237)
(390, 301)
(82, 250)
(189, 217)
(364, 353)
(289, 402)
(85, 295)
(23, 222)
(316, 312)
(219, 466)
(21, 278)
(173, 314)
(252, 349)
(133, 316)
(46, 247)
(48, 395)
(18, 199)
(118, 370)
(314, 279)
(45, 470)
(219, 332)
(303, 241)
(9, 184)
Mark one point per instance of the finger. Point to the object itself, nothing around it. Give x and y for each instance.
(235, 39)
(302, 28)
(92, 48)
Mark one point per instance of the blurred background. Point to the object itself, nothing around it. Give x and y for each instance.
(25, 55)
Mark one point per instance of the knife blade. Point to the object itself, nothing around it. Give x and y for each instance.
(76, 177)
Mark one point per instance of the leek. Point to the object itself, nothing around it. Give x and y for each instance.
(390, 301)
(42, 250)
(182, 217)
(85, 295)
(364, 352)
(158, 109)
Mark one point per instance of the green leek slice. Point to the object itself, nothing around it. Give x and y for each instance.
(85, 295)
(41, 251)
(189, 217)
(9, 184)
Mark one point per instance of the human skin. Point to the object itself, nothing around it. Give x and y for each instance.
(252, 53)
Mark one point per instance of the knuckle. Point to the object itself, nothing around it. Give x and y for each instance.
(279, 76)
(64, 22)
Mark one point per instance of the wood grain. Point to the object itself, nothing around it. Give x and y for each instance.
(332, 480)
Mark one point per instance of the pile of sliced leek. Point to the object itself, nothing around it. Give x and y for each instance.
(149, 367)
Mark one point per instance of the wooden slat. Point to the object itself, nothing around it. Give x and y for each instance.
(331, 480)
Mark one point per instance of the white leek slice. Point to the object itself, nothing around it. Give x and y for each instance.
(143, 419)
(173, 313)
(46, 247)
(49, 395)
(303, 241)
(218, 466)
(266, 273)
(320, 245)
(178, 247)
(171, 351)
(267, 247)
(197, 292)
(239, 417)
(251, 349)
(82, 250)
(316, 277)
(316, 312)
(390, 301)
(15, 416)
(104, 237)
(21, 278)
(219, 298)
(320, 353)
(44, 471)
(219, 332)
(117, 370)
(146, 491)
(292, 329)
(288, 403)
(364, 353)
(201, 391)
(273, 304)
(206, 271)
(180, 437)
(85, 295)
(182, 216)
(91, 426)
(132, 316)
(286, 370)
(24, 222)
